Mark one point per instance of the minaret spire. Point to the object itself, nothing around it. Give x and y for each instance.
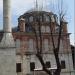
(36, 5)
(39, 4)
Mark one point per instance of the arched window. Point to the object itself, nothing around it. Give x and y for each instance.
(41, 18)
(28, 27)
(56, 18)
(31, 19)
(47, 18)
(30, 44)
(43, 29)
(47, 29)
(46, 45)
(52, 18)
(26, 19)
(57, 29)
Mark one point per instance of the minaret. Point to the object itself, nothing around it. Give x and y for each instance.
(7, 40)
(36, 5)
(7, 45)
(6, 16)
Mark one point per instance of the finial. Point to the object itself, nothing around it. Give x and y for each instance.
(36, 5)
(39, 4)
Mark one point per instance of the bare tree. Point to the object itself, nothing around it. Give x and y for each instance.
(38, 35)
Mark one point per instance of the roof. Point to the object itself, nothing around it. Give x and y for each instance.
(34, 11)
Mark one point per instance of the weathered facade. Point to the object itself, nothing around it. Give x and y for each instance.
(22, 60)
(25, 40)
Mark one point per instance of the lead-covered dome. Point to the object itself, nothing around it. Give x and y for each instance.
(32, 15)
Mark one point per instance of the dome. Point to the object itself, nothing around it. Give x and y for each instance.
(33, 17)
(35, 9)
(32, 14)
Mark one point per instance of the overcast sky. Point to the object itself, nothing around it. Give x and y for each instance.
(19, 7)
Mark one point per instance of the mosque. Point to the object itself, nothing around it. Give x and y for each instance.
(18, 45)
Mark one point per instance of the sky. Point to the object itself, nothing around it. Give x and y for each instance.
(19, 7)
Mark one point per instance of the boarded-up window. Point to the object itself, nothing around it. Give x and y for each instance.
(48, 64)
(63, 66)
(32, 66)
(18, 67)
(73, 55)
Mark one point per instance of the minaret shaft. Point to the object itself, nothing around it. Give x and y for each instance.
(7, 40)
(6, 16)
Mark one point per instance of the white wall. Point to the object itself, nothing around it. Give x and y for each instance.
(48, 57)
(7, 61)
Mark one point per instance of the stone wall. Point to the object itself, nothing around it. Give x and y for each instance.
(25, 60)
(7, 61)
